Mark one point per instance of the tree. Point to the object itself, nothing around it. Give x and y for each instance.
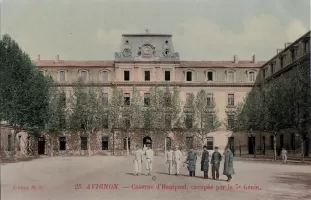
(114, 112)
(205, 113)
(23, 91)
(86, 111)
(55, 120)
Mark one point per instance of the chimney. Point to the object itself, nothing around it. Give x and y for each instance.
(57, 58)
(38, 58)
(279, 50)
(287, 44)
(235, 58)
(254, 58)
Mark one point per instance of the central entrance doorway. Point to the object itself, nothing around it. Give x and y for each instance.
(147, 142)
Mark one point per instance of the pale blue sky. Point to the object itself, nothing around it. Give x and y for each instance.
(202, 29)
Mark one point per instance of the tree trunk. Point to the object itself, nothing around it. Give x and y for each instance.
(127, 146)
(89, 144)
(51, 147)
(274, 146)
(302, 143)
(113, 142)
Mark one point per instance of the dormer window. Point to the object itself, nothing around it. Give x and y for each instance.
(83, 75)
(126, 42)
(104, 76)
(251, 76)
(167, 51)
(306, 46)
(210, 75)
(230, 76)
(293, 53)
(166, 42)
(62, 75)
(282, 61)
(188, 76)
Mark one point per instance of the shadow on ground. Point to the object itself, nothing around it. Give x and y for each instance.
(298, 181)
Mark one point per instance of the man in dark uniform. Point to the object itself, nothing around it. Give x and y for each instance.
(191, 161)
(215, 162)
(205, 162)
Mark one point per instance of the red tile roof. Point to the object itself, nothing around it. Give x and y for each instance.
(242, 63)
(110, 63)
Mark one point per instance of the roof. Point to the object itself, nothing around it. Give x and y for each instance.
(240, 64)
(74, 63)
(110, 63)
(146, 35)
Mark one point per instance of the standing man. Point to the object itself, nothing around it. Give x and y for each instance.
(169, 160)
(191, 161)
(149, 160)
(177, 155)
(284, 155)
(215, 162)
(205, 162)
(138, 160)
(228, 165)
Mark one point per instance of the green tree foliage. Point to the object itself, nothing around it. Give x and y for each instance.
(86, 111)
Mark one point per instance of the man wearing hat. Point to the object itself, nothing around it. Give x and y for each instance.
(191, 162)
(215, 162)
(205, 161)
(176, 159)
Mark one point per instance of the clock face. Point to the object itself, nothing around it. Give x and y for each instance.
(147, 51)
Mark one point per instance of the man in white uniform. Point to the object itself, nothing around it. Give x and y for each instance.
(149, 160)
(138, 160)
(169, 160)
(177, 156)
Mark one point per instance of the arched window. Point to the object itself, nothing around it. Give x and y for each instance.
(62, 75)
(129, 143)
(230, 76)
(104, 76)
(188, 75)
(83, 75)
(210, 75)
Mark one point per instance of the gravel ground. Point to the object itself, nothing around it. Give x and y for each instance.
(80, 178)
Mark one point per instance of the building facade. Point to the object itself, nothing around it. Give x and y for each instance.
(147, 60)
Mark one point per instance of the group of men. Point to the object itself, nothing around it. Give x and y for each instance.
(173, 160)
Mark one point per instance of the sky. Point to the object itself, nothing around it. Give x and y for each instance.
(201, 29)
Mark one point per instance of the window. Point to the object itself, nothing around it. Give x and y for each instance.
(209, 99)
(62, 76)
(83, 75)
(188, 121)
(264, 73)
(147, 99)
(104, 76)
(272, 142)
(167, 75)
(230, 76)
(209, 76)
(306, 47)
(188, 76)
(126, 121)
(126, 75)
(9, 142)
(167, 99)
(62, 143)
(127, 99)
(282, 61)
(293, 141)
(188, 99)
(251, 76)
(168, 121)
(129, 143)
(210, 143)
(147, 75)
(105, 143)
(230, 121)
(168, 143)
(293, 54)
(105, 121)
(272, 68)
(83, 143)
(42, 72)
(105, 99)
(63, 99)
(230, 99)
(189, 142)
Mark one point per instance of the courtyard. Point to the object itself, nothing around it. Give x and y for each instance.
(110, 178)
